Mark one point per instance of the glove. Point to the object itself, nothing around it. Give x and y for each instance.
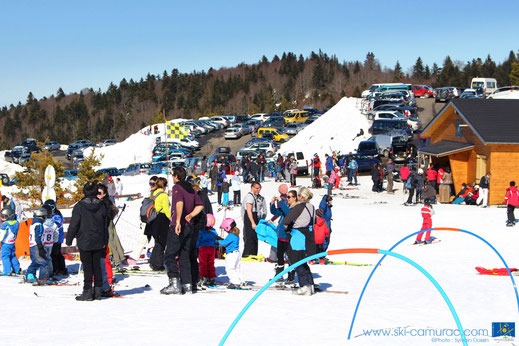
(41, 251)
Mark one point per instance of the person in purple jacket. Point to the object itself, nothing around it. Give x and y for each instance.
(185, 205)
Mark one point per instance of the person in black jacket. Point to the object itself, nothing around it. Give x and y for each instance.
(89, 224)
(376, 177)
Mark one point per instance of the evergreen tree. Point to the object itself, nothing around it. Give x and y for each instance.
(418, 69)
(398, 75)
(514, 74)
(356, 92)
(356, 67)
(60, 94)
(427, 72)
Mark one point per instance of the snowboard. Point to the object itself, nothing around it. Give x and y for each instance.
(495, 271)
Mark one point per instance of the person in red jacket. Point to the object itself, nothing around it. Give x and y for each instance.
(432, 176)
(404, 174)
(512, 201)
(439, 178)
(427, 213)
(321, 231)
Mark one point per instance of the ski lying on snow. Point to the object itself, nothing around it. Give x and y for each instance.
(496, 271)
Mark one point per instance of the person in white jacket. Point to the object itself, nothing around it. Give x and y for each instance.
(236, 188)
(118, 187)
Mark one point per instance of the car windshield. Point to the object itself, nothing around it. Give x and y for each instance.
(290, 115)
(300, 156)
(478, 84)
(366, 146)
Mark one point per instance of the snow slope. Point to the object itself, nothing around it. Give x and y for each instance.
(336, 129)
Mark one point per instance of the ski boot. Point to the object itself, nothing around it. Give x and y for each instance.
(86, 296)
(31, 279)
(173, 287)
(211, 282)
(187, 289)
(418, 242)
(278, 270)
(306, 290)
(98, 293)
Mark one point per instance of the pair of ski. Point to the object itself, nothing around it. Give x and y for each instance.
(434, 240)
(497, 271)
(279, 287)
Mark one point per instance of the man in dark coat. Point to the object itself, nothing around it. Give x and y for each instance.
(212, 175)
(89, 224)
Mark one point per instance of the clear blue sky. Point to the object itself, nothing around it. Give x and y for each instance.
(50, 44)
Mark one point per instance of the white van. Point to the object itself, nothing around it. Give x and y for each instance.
(489, 85)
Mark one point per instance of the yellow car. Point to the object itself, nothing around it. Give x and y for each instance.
(296, 117)
(275, 134)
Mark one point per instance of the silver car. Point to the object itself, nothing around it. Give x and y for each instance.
(51, 145)
(293, 128)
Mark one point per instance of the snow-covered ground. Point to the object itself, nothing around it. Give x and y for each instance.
(398, 296)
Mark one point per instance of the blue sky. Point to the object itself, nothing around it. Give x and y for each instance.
(47, 45)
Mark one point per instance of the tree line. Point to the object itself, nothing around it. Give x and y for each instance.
(283, 82)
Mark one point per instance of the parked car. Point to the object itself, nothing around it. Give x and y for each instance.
(220, 120)
(167, 155)
(274, 121)
(5, 179)
(159, 168)
(70, 174)
(251, 153)
(138, 168)
(469, 94)
(254, 125)
(383, 126)
(30, 145)
(293, 129)
(243, 127)
(369, 147)
(296, 117)
(509, 93)
(268, 147)
(423, 91)
(76, 153)
(241, 119)
(261, 139)
(414, 123)
(365, 161)
(260, 116)
(51, 146)
(16, 153)
(489, 85)
(223, 150)
(110, 171)
(106, 142)
(388, 114)
(232, 133)
(443, 94)
(275, 133)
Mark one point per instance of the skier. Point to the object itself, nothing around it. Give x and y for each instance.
(236, 189)
(329, 164)
(37, 251)
(353, 167)
(293, 172)
(206, 245)
(58, 261)
(225, 192)
(427, 213)
(220, 178)
(512, 202)
(321, 232)
(232, 254)
(8, 233)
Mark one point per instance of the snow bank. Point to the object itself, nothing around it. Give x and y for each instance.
(7, 167)
(333, 131)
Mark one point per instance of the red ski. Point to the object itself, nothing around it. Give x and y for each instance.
(495, 271)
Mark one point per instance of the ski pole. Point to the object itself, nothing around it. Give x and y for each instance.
(122, 211)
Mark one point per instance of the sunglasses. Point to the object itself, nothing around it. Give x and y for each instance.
(100, 193)
(291, 196)
(153, 184)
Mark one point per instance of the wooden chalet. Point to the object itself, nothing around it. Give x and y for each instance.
(474, 137)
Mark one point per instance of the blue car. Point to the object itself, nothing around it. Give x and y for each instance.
(365, 160)
(70, 175)
(159, 168)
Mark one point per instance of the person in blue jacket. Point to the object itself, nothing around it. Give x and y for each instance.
(220, 178)
(8, 233)
(206, 245)
(232, 254)
(326, 206)
(329, 164)
(37, 250)
(280, 207)
(58, 261)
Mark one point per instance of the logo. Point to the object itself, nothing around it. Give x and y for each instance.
(503, 330)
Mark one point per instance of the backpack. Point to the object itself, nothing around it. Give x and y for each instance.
(219, 178)
(200, 221)
(148, 212)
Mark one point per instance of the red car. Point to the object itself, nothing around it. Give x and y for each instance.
(422, 91)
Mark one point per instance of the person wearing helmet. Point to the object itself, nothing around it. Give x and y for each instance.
(36, 248)
(112, 189)
(58, 261)
(8, 233)
(49, 234)
(206, 245)
(232, 254)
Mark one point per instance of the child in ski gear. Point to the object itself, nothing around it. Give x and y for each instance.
(427, 213)
(321, 231)
(37, 251)
(232, 253)
(225, 192)
(8, 233)
(58, 261)
(236, 188)
(512, 201)
(326, 206)
(206, 245)
(49, 233)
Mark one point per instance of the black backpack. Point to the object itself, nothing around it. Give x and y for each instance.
(219, 178)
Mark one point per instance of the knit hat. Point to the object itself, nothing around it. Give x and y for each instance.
(319, 212)
(90, 189)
